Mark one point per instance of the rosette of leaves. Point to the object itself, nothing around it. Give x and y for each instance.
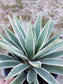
(33, 53)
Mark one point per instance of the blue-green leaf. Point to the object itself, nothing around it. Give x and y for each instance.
(8, 63)
(54, 39)
(19, 26)
(9, 41)
(50, 29)
(31, 76)
(16, 70)
(52, 61)
(49, 49)
(34, 41)
(19, 79)
(20, 19)
(5, 57)
(43, 36)
(36, 80)
(11, 35)
(13, 49)
(29, 40)
(46, 75)
(54, 69)
(38, 25)
(18, 35)
(55, 54)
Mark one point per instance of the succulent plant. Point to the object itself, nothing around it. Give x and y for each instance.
(32, 52)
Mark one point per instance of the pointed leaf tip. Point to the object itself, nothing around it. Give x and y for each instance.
(38, 25)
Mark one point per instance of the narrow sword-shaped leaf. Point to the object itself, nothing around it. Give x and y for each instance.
(49, 49)
(13, 49)
(34, 35)
(5, 57)
(54, 69)
(55, 38)
(53, 47)
(29, 40)
(16, 70)
(20, 19)
(19, 25)
(19, 79)
(46, 75)
(50, 29)
(17, 57)
(55, 54)
(43, 36)
(31, 76)
(34, 41)
(52, 61)
(11, 35)
(18, 35)
(36, 80)
(8, 63)
(38, 25)
(9, 41)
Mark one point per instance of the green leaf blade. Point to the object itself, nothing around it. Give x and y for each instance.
(31, 76)
(38, 25)
(16, 70)
(29, 41)
(5, 57)
(13, 49)
(46, 75)
(19, 79)
(8, 64)
(52, 61)
(54, 69)
(55, 38)
(9, 41)
(55, 54)
(19, 25)
(36, 81)
(50, 29)
(18, 35)
(49, 49)
(43, 36)
(11, 35)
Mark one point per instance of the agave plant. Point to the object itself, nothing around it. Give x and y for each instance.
(33, 53)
